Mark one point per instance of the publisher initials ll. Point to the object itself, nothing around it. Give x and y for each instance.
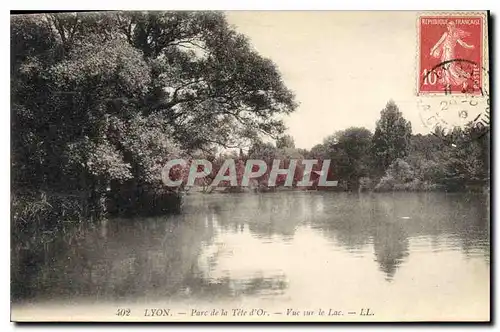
(366, 312)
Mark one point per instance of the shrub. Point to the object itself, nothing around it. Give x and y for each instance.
(399, 177)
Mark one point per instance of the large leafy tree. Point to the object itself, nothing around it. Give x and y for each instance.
(108, 97)
(348, 150)
(352, 148)
(213, 85)
(467, 159)
(391, 139)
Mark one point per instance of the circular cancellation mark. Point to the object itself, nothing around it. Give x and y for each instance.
(470, 106)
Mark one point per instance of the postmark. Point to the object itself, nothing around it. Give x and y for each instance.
(451, 54)
(450, 113)
(469, 108)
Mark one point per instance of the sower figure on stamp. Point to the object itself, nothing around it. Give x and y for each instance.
(445, 49)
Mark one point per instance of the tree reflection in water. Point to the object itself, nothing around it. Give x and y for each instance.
(390, 244)
(160, 257)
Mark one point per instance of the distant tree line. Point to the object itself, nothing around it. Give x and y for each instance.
(392, 158)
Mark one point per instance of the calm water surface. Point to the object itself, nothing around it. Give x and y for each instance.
(403, 255)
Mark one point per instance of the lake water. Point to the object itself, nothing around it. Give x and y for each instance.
(403, 256)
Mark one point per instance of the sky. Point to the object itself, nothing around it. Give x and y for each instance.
(343, 66)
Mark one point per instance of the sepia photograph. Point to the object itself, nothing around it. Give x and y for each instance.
(250, 166)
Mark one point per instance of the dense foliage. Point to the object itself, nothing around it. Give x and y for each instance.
(395, 159)
(100, 101)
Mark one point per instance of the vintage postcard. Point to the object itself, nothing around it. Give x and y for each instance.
(250, 166)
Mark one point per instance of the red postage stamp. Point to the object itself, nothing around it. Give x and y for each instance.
(451, 54)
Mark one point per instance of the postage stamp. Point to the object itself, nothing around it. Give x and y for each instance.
(451, 54)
